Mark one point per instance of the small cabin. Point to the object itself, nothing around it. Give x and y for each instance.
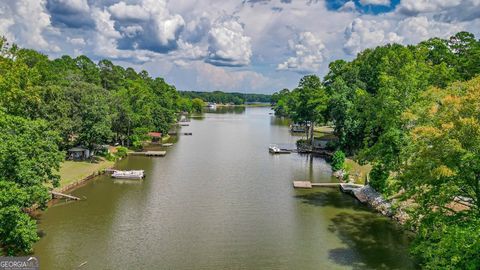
(78, 153)
(155, 136)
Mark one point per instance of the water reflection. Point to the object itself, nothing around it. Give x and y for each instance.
(279, 121)
(226, 109)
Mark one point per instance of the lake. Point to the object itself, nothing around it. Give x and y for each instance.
(219, 200)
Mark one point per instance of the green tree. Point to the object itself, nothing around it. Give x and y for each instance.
(338, 160)
(197, 105)
(29, 159)
(441, 174)
(308, 103)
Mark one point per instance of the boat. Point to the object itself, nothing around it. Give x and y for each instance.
(135, 174)
(276, 150)
(212, 105)
(298, 128)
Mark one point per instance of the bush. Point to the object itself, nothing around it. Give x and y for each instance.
(137, 145)
(122, 152)
(110, 157)
(301, 143)
(331, 145)
(378, 178)
(338, 160)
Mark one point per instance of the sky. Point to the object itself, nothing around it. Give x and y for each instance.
(259, 46)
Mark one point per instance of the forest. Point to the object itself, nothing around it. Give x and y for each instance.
(413, 113)
(225, 98)
(48, 106)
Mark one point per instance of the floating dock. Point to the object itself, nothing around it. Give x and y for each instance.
(150, 153)
(302, 184)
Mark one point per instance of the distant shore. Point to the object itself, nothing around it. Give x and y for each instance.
(245, 105)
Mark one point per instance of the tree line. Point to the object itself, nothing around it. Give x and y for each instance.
(225, 98)
(49, 105)
(413, 112)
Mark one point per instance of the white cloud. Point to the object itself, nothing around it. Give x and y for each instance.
(375, 2)
(122, 11)
(131, 30)
(417, 29)
(228, 45)
(213, 77)
(308, 54)
(176, 35)
(148, 25)
(363, 33)
(188, 51)
(72, 6)
(419, 6)
(30, 22)
(105, 36)
(76, 41)
(348, 6)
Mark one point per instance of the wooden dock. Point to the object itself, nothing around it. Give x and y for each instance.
(150, 153)
(302, 184)
(155, 153)
(344, 187)
(61, 195)
(174, 133)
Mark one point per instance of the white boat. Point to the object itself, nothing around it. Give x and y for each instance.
(212, 105)
(135, 174)
(276, 150)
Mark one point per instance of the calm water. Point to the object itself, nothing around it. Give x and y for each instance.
(219, 200)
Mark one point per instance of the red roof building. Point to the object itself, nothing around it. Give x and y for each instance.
(155, 134)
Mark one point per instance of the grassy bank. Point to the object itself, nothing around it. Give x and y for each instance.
(359, 172)
(74, 171)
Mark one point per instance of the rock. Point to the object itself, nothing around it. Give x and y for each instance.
(374, 199)
(339, 174)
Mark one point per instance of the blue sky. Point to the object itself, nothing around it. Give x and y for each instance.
(244, 45)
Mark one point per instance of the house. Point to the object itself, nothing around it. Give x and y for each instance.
(155, 136)
(323, 142)
(78, 153)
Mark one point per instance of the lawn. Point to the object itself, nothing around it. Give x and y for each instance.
(358, 171)
(323, 132)
(73, 171)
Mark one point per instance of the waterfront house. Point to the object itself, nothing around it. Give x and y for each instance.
(78, 153)
(155, 136)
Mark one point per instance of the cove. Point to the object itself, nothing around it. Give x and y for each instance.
(219, 200)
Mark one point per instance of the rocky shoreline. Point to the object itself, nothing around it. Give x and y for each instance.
(369, 196)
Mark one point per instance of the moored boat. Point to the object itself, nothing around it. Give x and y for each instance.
(134, 174)
(276, 150)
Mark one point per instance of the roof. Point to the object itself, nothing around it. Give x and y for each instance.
(76, 149)
(155, 134)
